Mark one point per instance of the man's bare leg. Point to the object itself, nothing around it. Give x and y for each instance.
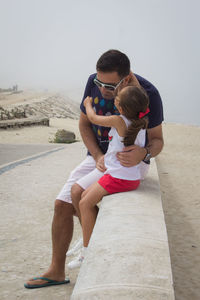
(62, 231)
(77, 192)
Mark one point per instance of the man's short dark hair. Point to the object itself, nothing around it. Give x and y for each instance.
(114, 61)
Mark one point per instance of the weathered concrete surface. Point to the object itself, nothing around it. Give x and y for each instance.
(24, 122)
(128, 256)
(10, 153)
(27, 194)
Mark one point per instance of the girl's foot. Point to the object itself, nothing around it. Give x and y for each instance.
(76, 263)
(75, 247)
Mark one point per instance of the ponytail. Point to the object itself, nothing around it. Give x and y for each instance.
(133, 129)
(134, 103)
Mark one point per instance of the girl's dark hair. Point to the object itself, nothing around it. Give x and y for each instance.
(133, 100)
(114, 61)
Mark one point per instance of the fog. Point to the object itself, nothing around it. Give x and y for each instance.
(54, 45)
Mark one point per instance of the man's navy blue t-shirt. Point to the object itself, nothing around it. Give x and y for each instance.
(106, 107)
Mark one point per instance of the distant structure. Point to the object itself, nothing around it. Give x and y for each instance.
(13, 90)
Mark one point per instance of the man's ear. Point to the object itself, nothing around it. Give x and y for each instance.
(132, 80)
(127, 79)
(125, 82)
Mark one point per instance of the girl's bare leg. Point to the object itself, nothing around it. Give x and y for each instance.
(76, 194)
(88, 209)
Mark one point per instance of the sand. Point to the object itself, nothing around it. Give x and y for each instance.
(23, 97)
(178, 167)
(38, 134)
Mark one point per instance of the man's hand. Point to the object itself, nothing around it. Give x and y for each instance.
(100, 164)
(131, 155)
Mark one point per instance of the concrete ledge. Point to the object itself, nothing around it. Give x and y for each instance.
(128, 255)
(23, 122)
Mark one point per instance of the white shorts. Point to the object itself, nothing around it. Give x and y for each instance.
(90, 178)
(84, 174)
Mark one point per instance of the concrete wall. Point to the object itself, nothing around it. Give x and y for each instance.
(128, 255)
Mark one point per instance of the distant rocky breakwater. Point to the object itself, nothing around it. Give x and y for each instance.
(55, 106)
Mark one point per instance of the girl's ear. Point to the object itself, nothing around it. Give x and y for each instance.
(120, 110)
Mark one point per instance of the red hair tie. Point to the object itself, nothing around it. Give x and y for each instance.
(141, 114)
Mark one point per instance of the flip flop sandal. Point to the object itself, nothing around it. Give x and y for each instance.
(49, 282)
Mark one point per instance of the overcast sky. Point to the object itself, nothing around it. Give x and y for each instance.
(55, 44)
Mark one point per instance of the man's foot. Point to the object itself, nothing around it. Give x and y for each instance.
(46, 280)
(75, 247)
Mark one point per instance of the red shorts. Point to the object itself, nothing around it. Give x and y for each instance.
(115, 185)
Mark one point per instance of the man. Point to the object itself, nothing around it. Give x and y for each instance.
(113, 73)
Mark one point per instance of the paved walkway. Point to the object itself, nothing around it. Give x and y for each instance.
(12, 152)
(27, 194)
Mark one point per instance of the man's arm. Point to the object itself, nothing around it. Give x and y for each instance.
(90, 142)
(133, 155)
(155, 138)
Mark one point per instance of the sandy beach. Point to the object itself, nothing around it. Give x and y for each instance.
(38, 134)
(178, 168)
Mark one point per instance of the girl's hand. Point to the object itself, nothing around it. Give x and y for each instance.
(100, 164)
(87, 101)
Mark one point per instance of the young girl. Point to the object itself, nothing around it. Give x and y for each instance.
(128, 128)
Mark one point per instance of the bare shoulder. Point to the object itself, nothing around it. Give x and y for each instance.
(121, 128)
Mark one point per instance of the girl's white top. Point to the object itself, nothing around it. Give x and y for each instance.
(114, 168)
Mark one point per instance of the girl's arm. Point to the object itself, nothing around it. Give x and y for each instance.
(106, 121)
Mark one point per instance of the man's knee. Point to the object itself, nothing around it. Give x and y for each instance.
(84, 193)
(81, 204)
(63, 208)
(76, 192)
